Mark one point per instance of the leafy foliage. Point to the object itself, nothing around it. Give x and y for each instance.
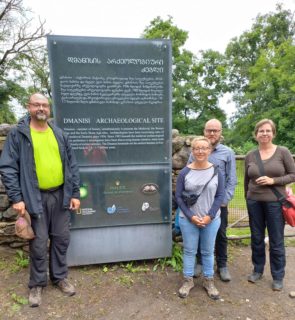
(19, 299)
(197, 82)
(18, 39)
(21, 259)
(175, 261)
(132, 268)
(261, 76)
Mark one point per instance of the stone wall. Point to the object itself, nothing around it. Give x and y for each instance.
(180, 154)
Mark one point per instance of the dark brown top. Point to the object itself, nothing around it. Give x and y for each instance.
(280, 166)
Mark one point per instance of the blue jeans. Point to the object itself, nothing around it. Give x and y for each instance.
(267, 215)
(192, 235)
(221, 241)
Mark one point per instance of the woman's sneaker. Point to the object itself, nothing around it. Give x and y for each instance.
(208, 284)
(188, 284)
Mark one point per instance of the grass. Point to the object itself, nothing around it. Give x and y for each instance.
(237, 232)
(238, 200)
(3, 264)
(125, 280)
(289, 241)
(175, 261)
(133, 268)
(19, 299)
(20, 261)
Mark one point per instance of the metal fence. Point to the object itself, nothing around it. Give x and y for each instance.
(237, 208)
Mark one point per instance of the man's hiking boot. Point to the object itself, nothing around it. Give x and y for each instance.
(35, 297)
(67, 288)
(224, 274)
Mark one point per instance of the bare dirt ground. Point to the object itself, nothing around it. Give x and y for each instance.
(135, 291)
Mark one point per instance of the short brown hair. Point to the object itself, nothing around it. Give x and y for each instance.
(265, 121)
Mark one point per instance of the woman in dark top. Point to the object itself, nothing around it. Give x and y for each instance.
(264, 209)
(202, 219)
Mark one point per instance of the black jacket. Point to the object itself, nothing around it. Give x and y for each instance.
(18, 170)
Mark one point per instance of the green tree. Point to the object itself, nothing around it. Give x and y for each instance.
(197, 82)
(243, 52)
(37, 71)
(272, 90)
(260, 73)
(18, 37)
(6, 114)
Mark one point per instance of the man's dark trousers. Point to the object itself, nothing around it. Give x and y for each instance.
(53, 224)
(221, 240)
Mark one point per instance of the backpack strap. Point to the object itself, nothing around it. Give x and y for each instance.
(214, 174)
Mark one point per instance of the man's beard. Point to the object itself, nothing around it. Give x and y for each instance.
(216, 141)
(41, 117)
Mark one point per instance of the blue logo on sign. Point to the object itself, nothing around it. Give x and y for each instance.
(112, 209)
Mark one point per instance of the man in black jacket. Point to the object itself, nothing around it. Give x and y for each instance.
(40, 174)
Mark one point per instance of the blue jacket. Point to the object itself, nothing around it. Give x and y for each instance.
(18, 170)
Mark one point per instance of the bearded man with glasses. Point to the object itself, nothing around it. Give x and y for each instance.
(223, 157)
(40, 174)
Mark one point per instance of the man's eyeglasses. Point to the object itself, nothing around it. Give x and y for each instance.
(39, 105)
(214, 131)
(202, 149)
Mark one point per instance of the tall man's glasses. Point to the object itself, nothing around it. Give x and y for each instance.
(214, 131)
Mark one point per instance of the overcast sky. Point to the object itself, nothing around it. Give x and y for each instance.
(211, 24)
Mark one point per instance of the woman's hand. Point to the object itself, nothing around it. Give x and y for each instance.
(201, 222)
(206, 220)
(197, 221)
(264, 180)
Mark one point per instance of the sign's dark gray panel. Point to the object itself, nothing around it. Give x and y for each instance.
(112, 96)
(123, 197)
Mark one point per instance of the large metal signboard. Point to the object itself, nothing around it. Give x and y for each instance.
(113, 98)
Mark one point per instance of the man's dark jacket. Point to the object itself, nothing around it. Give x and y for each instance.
(18, 169)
